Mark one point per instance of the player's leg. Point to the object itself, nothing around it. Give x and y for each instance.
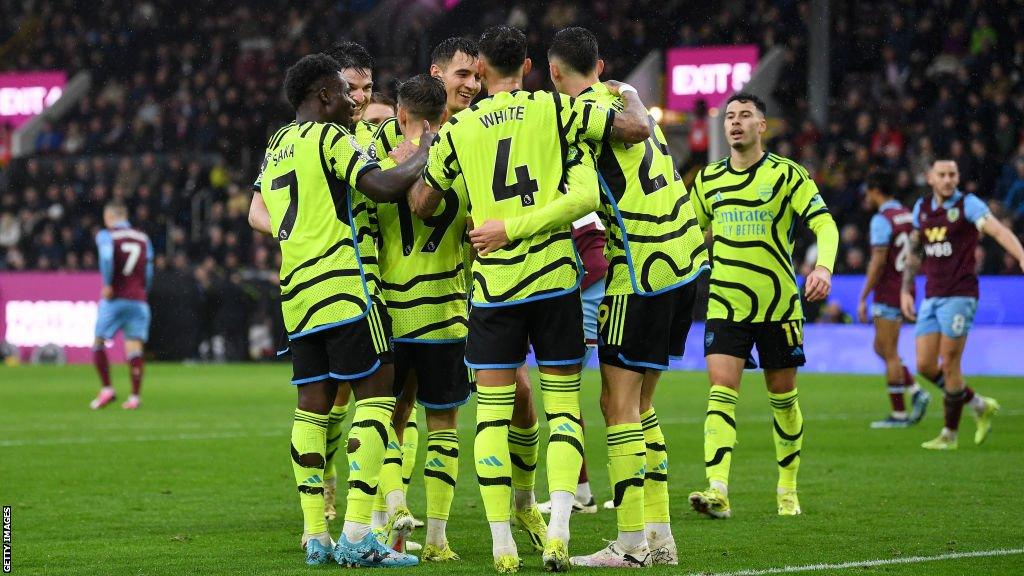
(954, 317)
(592, 298)
(495, 348)
(390, 512)
(408, 433)
(727, 347)
(887, 333)
(620, 403)
(444, 387)
(780, 349)
(106, 327)
(524, 451)
(315, 388)
(440, 474)
(133, 350)
(495, 399)
(136, 333)
(724, 374)
(335, 457)
(524, 443)
(926, 331)
(787, 433)
(335, 421)
(657, 519)
(100, 360)
(410, 440)
(556, 333)
(360, 353)
(638, 336)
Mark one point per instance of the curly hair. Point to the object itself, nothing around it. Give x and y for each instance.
(504, 47)
(301, 77)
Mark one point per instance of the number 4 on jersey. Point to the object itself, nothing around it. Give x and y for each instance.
(524, 186)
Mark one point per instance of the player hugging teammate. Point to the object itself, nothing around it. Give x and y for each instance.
(392, 284)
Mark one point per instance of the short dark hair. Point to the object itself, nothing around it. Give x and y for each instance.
(744, 97)
(446, 50)
(423, 96)
(504, 47)
(381, 98)
(577, 47)
(880, 180)
(301, 77)
(350, 55)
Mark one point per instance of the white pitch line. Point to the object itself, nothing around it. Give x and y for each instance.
(867, 563)
(153, 438)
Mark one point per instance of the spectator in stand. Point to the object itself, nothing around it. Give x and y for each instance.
(1014, 200)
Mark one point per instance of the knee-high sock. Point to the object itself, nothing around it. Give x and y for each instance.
(896, 399)
(136, 366)
(441, 471)
(788, 431)
(940, 382)
(524, 450)
(491, 451)
(626, 470)
(102, 363)
(334, 423)
(720, 433)
(656, 479)
(410, 446)
(309, 443)
(390, 472)
(367, 442)
(953, 403)
(565, 440)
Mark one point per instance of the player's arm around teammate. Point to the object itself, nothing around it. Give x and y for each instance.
(630, 126)
(337, 333)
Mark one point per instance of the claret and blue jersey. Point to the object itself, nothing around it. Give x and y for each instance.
(126, 264)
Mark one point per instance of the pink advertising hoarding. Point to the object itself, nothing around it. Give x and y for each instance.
(711, 74)
(38, 308)
(24, 95)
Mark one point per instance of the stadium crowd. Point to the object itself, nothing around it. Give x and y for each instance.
(183, 95)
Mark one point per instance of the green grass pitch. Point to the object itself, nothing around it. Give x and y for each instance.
(198, 482)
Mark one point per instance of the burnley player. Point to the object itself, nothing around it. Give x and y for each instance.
(948, 224)
(891, 227)
(126, 263)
